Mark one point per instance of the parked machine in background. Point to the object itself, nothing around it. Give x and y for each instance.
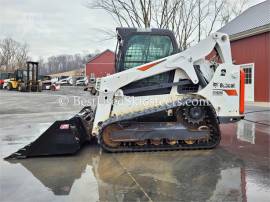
(91, 84)
(26, 79)
(46, 82)
(54, 79)
(15, 81)
(4, 76)
(65, 81)
(81, 81)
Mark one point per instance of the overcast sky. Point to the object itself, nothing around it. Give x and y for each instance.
(52, 27)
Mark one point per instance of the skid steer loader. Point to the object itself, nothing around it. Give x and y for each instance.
(159, 99)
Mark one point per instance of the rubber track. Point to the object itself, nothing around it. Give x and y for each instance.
(152, 148)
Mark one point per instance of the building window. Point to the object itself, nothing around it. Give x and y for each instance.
(248, 75)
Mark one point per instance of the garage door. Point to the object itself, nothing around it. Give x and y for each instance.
(249, 81)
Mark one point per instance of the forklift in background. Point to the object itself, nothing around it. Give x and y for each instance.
(26, 80)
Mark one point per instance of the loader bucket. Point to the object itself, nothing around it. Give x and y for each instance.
(61, 138)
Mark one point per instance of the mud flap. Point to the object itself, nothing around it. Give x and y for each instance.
(61, 138)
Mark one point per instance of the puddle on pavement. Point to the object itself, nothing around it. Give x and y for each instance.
(252, 145)
(93, 175)
(238, 170)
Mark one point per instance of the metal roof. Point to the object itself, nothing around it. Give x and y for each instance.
(255, 17)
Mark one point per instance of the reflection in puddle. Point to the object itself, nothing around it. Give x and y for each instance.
(250, 142)
(165, 176)
(225, 187)
(246, 131)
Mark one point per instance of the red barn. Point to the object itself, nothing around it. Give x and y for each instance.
(250, 43)
(101, 65)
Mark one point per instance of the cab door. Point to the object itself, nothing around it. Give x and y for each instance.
(142, 49)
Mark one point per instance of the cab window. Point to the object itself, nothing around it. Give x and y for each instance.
(146, 48)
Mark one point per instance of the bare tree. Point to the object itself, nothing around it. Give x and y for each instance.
(13, 55)
(190, 20)
(62, 63)
(130, 13)
(231, 10)
(22, 55)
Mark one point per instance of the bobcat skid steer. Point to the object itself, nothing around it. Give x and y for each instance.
(202, 94)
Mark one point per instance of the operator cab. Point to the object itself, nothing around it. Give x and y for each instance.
(19, 75)
(139, 46)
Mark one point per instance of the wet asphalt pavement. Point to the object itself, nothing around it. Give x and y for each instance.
(237, 170)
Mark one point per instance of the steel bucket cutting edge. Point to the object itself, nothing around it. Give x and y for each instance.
(61, 138)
